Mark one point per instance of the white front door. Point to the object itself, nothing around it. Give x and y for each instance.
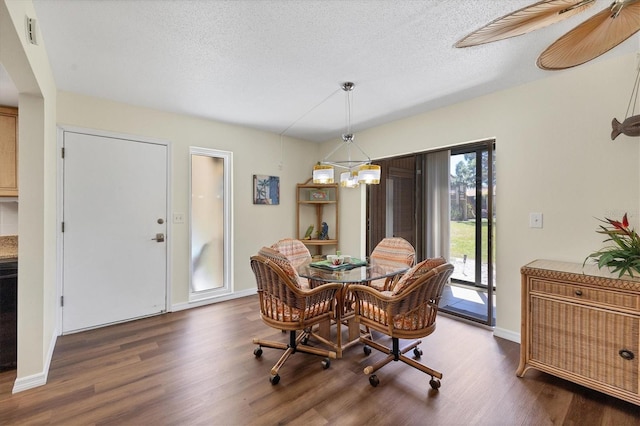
(115, 223)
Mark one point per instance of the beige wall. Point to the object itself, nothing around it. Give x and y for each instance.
(254, 152)
(29, 69)
(554, 155)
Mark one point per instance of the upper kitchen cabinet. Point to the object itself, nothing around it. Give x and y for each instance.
(8, 152)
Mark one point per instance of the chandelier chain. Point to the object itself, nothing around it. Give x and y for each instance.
(634, 94)
(309, 112)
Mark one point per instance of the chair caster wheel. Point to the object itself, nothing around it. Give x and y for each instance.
(367, 350)
(257, 352)
(373, 380)
(435, 384)
(274, 379)
(326, 363)
(417, 352)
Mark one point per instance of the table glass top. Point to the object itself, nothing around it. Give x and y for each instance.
(372, 271)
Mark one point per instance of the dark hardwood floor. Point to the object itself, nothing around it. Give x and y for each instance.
(197, 367)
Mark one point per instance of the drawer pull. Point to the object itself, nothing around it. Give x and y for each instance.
(626, 354)
(578, 292)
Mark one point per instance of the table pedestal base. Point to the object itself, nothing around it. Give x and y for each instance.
(353, 334)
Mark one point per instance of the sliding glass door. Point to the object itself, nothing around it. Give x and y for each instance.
(442, 202)
(472, 225)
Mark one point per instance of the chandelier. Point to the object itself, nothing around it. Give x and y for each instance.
(355, 171)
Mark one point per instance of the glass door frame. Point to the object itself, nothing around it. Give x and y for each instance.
(479, 149)
(375, 197)
(220, 190)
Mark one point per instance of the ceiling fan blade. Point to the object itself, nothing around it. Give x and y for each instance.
(525, 20)
(595, 36)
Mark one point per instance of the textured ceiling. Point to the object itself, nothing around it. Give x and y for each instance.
(277, 65)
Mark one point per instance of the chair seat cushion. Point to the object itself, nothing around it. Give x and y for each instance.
(276, 309)
(414, 320)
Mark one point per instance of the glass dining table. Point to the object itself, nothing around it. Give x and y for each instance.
(357, 272)
(350, 272)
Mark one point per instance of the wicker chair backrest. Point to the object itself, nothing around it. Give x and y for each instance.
(282, 261)
(394, 249)
(294, 250)
(416, 272)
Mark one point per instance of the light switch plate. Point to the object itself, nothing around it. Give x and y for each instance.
(178, 218)
(535, 220)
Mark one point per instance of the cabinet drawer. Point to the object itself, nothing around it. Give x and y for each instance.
(590, 345)
(587, 294)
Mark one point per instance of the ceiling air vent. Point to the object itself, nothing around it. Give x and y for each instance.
(30, 27)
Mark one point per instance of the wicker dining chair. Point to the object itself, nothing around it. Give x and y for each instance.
(285, 306)
(392, 249)
(407, 312)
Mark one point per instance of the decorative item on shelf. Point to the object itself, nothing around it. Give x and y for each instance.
(623, 256)
(590, 39)
(323, 233)
(307, 235)
(630, 126)
(318, 195)
(357, 171)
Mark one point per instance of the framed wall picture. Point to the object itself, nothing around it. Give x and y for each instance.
(266, 189)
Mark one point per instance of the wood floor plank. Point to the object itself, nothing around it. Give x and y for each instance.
(197, 367)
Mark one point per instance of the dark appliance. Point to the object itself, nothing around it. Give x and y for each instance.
(8, 314)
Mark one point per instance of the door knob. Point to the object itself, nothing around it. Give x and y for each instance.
(159, 238)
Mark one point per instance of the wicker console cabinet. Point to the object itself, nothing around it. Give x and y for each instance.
(583, 325)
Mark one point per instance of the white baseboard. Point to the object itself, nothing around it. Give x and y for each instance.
(39, 379)
(506, 334)
(236, 295)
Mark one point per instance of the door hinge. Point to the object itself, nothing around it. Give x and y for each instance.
(61, 300)
(62, 226)
(62, 152)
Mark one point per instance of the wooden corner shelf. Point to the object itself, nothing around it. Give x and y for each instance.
(315, 204)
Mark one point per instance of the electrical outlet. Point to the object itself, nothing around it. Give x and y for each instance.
(535, 220)
(178, 218)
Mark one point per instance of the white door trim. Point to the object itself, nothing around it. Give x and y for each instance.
(228, 287)
(59, 209)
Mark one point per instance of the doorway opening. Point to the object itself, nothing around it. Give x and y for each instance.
(471, 292)
(443, 203)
